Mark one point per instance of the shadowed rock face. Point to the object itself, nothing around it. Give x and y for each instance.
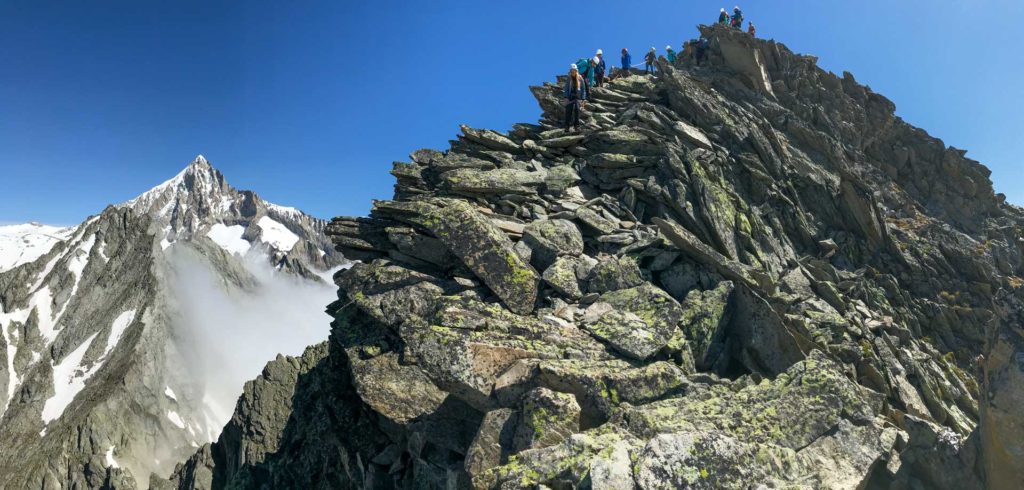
(753, 273)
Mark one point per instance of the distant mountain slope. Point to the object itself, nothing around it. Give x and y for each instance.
(20, 244)
(125, 339)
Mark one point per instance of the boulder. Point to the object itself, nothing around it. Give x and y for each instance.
(613, 273)
(638, 322)
(550, 239)
(562, 277)
(547, 418)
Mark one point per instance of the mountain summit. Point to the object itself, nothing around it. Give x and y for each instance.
(126, 339)
(748, 273)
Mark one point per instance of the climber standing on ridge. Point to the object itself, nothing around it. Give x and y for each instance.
(702, 49)
(599, 67)
(723, 17)
(670, 54)
(751, 29)
(586, 68)
(627, 61)
(737, 18)
(649, 61)
(575, 93)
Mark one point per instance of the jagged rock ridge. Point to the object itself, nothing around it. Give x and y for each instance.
(97, 374)
(747, 273)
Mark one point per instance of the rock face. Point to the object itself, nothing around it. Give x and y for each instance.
(749, 273)
(98, 368)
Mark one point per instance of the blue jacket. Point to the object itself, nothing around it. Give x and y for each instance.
(671, 56)
(567, 91)
(600, 66)
(587, 70)
(627, 61)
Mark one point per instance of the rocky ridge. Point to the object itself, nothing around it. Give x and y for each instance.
(745, 274)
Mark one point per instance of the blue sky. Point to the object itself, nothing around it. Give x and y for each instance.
(308, 103)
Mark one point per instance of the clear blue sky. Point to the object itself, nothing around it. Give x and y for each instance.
(308, 103)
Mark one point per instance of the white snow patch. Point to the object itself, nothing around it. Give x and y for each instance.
(69, 376)
(229, 238)
(111, 462)
(285, 210)
(68, 380)
(21, 244)
(175, 419)
(117, 329)
(170, 393)
(276, 234)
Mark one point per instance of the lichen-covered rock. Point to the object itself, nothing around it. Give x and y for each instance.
(550, 239)
(547, 418)
(637, 322)
(704, 323)
(614, 273)
(561, 276)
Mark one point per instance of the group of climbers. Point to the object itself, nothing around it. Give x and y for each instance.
(736, 20)
(590, 72)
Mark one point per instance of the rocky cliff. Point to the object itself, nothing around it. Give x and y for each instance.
(749, 273)
(106, 369)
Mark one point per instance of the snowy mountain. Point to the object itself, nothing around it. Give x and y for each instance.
(126, 340)
(20, 244)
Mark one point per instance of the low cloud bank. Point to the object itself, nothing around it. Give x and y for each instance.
(228, 334)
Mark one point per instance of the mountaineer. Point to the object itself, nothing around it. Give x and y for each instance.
(575, 93)
(723, 17)
(670, 54)
(649, 61)
(737, 18)
(599, 67)
(751, 29)
(586, 69)
(702, 49)
(627, 60)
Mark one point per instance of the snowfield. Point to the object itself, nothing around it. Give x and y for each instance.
(276, 234)
(21, 244)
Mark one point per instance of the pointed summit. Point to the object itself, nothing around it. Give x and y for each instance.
(195, 188)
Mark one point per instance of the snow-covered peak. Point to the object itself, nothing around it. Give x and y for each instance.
(198, 184)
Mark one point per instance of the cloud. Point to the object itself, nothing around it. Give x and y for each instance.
(228, 333)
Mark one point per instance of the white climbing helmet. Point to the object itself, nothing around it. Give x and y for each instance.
(668, 47)
(723, 10)
(572, 66)
(599, 52)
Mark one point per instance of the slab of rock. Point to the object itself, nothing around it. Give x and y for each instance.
(704, 253)
(547, 418)
(613, 273)
(481, 246)
(704, 323)
(400, 393)
(562, 277)
(692, 134)
(638, 321)
(550, 239)
(490, 139)
(499, 181)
